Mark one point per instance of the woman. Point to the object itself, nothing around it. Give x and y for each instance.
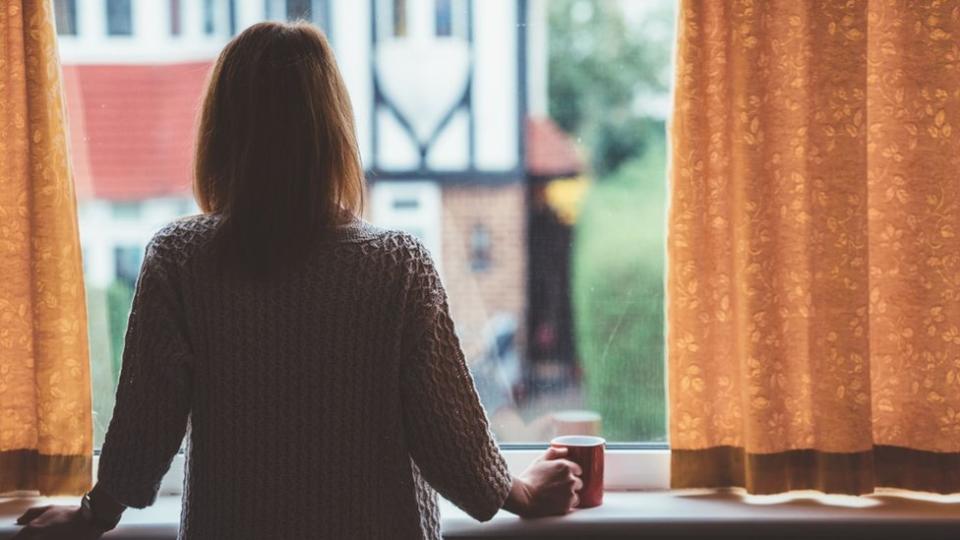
(310, 355)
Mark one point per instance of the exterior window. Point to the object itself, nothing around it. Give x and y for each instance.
(479, 248)
(299, 9)
(126, 210)
(399, 18)
(209, 25)
(127, 263)
(529, 164)
(65, 13)
(444, 18)
(119, 17)
(175, 19)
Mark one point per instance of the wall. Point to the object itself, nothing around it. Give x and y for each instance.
(101, 231)
(477, 296)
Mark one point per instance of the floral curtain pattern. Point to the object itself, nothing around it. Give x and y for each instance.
(814, 275)
(45, 410)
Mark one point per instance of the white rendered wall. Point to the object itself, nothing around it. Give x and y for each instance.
(151, 41)
(495, 85)
(350, 28)
(538, 34)
(101, 232)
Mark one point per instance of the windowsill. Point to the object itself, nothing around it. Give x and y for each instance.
(637, 514)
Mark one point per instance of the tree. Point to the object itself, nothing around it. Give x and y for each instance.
(605, 71)
(600, 66)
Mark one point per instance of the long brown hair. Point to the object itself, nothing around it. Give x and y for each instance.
(276, 152)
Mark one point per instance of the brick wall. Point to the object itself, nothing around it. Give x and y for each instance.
(478, 295)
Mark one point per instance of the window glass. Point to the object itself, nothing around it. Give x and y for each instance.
(299, 9)
(479, 248)
(65, 13)
(444, 18)
(527, 154)
(399, 22)
(119, 17)
(209, 17)
(175, 22)
(127, 263)
(126, 210)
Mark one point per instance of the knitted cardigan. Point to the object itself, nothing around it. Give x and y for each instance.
(330, 403)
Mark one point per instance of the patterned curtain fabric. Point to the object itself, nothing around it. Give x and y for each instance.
(814, 245)
(45, 413)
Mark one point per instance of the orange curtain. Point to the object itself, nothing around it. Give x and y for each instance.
(814, 246)
(45, 410)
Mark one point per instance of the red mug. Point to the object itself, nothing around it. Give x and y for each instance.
(587, 452)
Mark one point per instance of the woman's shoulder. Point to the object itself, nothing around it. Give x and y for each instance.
(395, 245)
(183, 237)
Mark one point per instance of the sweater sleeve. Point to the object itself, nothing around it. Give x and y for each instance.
(153, 395)
(446, 426)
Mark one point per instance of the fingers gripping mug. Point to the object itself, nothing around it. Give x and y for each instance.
(587, 452)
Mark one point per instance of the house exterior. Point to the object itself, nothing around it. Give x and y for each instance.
(442, 93)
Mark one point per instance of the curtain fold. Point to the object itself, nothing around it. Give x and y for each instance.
(45, 402)
(814, 263)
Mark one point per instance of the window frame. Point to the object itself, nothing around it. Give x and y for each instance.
(629, 466)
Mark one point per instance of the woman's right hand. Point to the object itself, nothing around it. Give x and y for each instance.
(548, 487)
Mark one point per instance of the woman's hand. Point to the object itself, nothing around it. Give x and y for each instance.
(55, 523)
(548, 487)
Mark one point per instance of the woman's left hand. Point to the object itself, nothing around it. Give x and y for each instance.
(55, 523)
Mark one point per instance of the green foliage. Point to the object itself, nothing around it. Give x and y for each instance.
(618, 293)
(119, 300)
(598, 68)
(101, 369)
(609, 61)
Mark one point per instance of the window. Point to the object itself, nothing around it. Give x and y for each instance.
(209, 19)
(314, 11)
(175, 18)
(65, 13)
(479, 248)
(444, 22)
(119, 17)
(541, 197)
(299, 9)
(451, 18)
(399, 22)
(127, 263)
(126, 210)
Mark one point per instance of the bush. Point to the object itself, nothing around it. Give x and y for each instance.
(618, 296)
(119, 300)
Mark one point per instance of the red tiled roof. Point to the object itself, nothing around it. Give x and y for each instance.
(132, 130)
(550, 151)
(132, 127)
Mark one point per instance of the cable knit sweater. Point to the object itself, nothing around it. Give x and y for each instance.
(328, 404)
